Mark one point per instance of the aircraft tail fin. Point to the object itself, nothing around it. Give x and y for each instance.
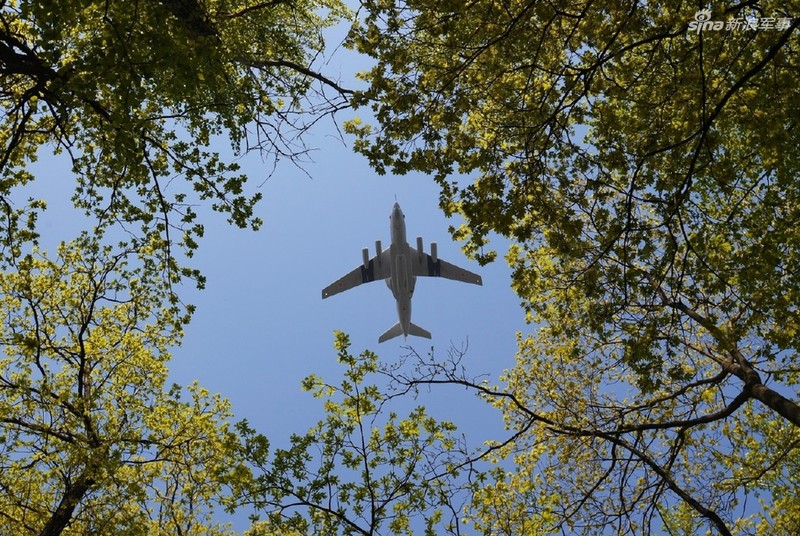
(417, 331)
(391, 333)
(397, 330)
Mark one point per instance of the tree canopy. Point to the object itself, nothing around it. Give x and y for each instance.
(128, 98)
(644, 166)
(92, 439)
(641, 159)
(134, 94)
(362, 470)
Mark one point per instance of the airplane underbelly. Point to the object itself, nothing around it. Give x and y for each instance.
(401, 269)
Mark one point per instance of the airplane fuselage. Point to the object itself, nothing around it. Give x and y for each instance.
(402, 280)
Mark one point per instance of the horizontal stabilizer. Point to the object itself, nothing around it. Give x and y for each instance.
(397, 330)
(391, 333)
(417, 331)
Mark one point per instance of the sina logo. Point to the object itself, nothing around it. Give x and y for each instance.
(702, 21)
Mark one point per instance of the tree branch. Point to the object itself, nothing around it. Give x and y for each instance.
(75, 491)
(264, 64)
(741, 367)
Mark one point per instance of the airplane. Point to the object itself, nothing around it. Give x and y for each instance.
(400, 265)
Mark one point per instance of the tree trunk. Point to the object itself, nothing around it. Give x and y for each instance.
(63, 514)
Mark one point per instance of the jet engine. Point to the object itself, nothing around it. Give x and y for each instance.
(434, 253)
(365, 257)
(419, 246)
(378, 250)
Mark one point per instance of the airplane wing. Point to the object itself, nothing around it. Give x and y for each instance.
(377, 268)
(425, 266)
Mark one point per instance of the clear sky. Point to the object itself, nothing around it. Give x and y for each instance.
(261, 325)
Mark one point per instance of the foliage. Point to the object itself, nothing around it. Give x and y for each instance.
(361, 470)
(130, 97)
(91, 439)
(127, 98)
(646, 174)
(134, 94)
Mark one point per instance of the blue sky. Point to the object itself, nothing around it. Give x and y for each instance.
(261, 325)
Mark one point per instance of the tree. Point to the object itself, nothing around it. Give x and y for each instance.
(361, 470)
(130, 96)
(134, 93)
(92, 441)
(644, 165)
